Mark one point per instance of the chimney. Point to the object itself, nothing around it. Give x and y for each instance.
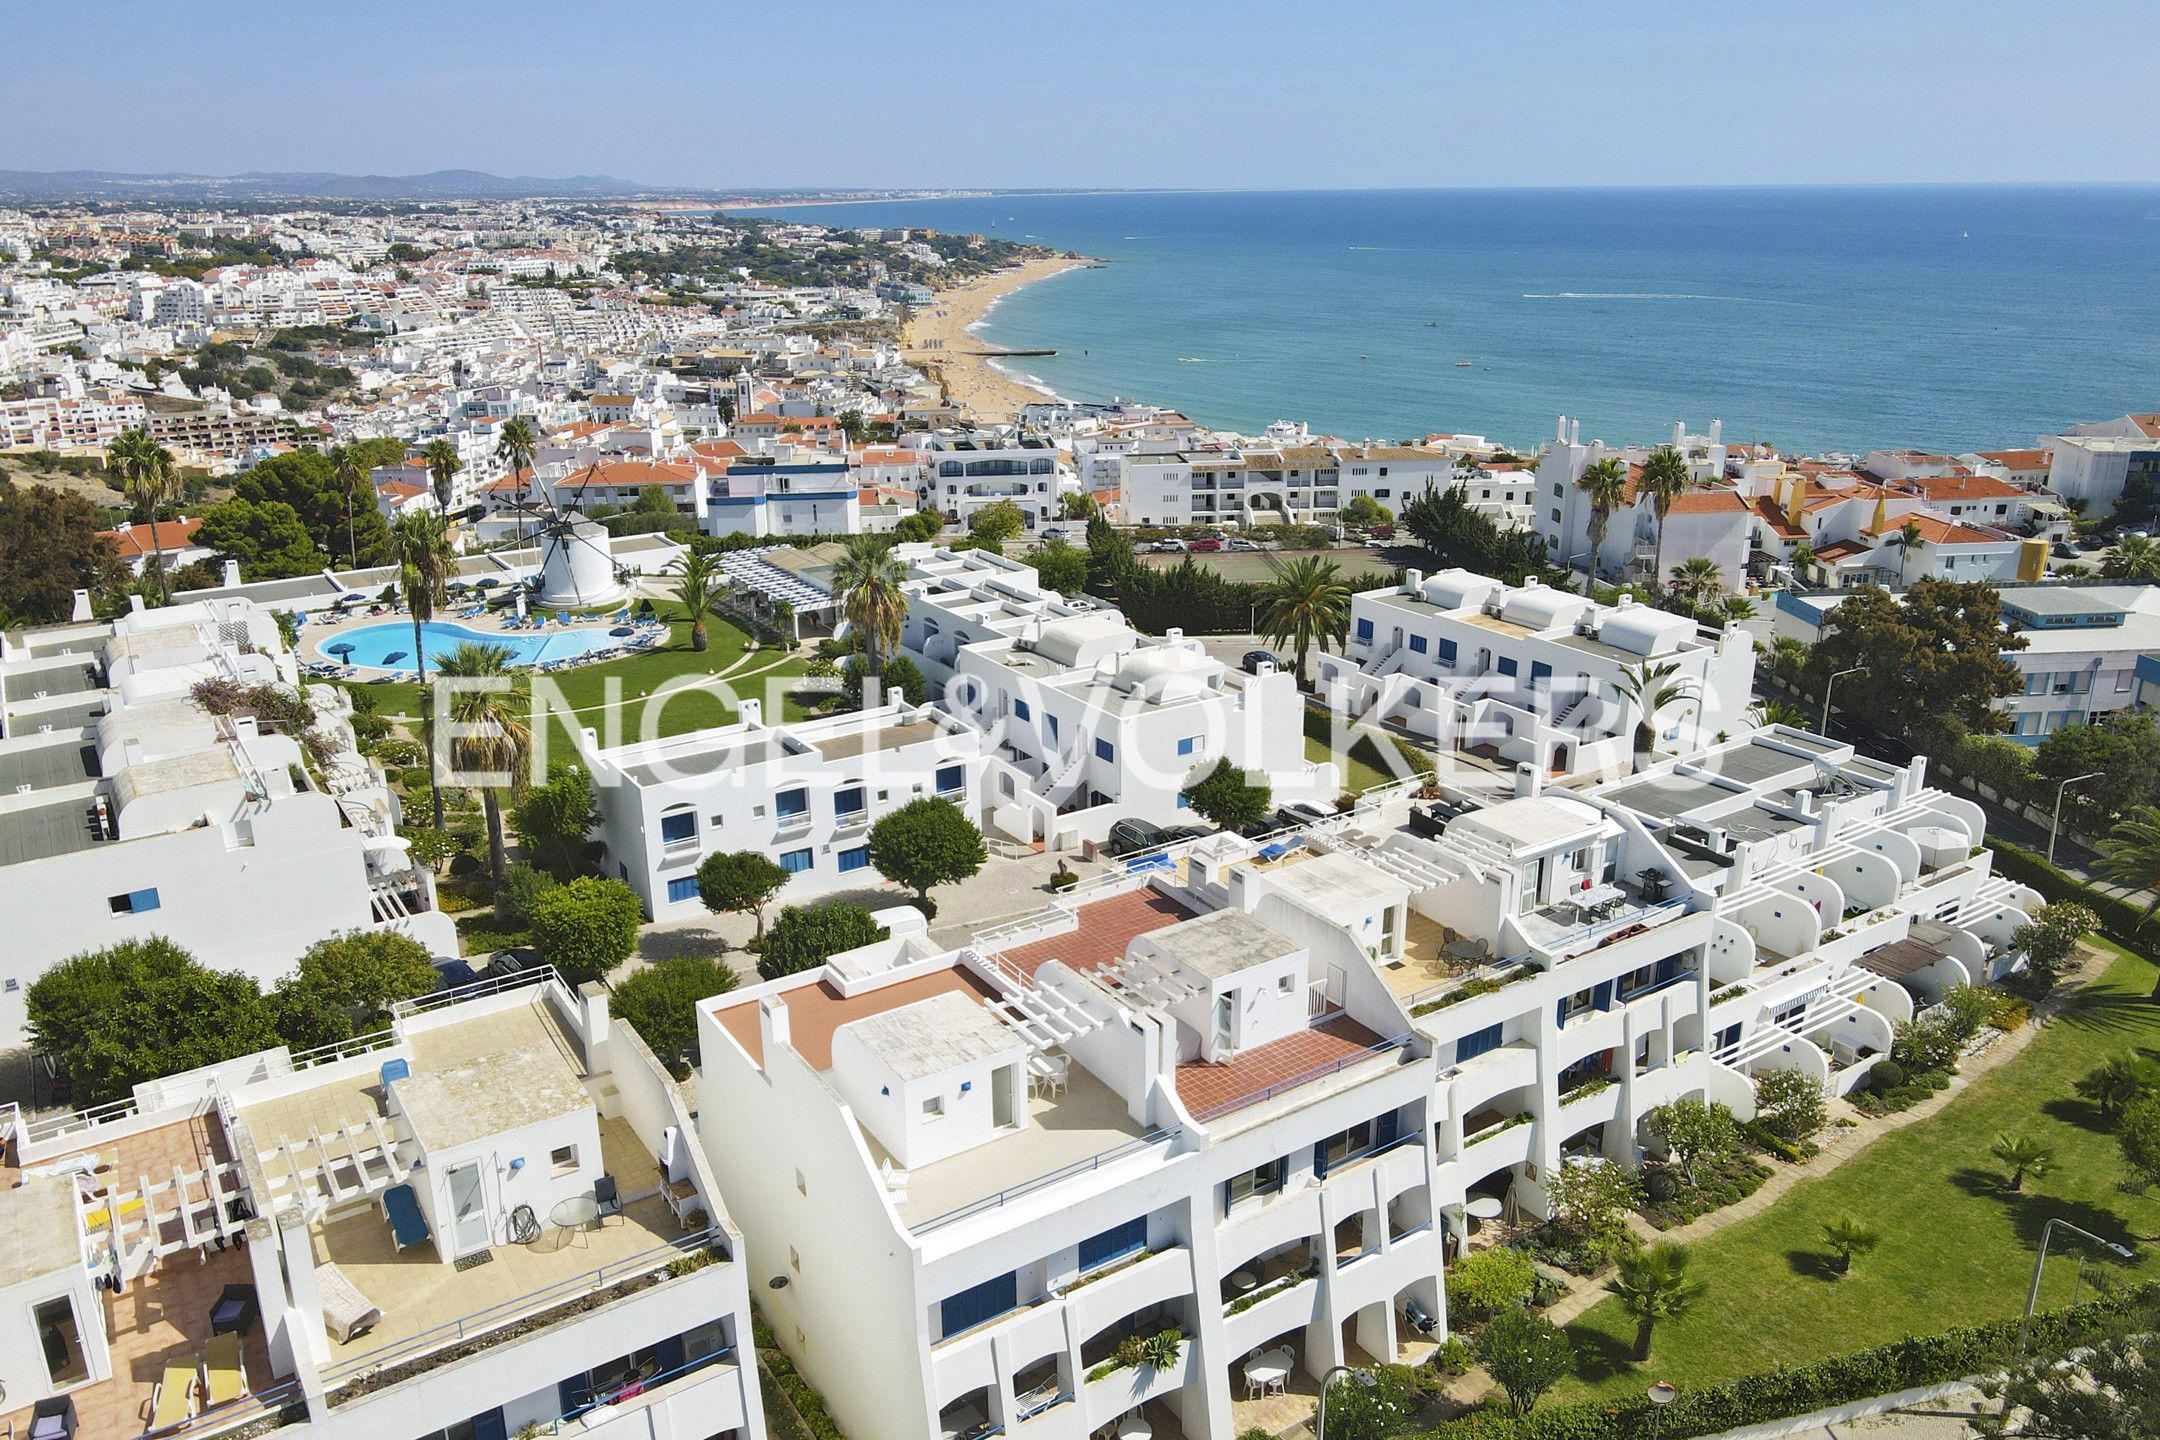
(80, 610)
(1574, 432)
(750, 712)
(1679, 433)
(232, 572)
(1559, 433)
(772, 1025)
(1528, 780)
(1413, 581)
(1717, 432)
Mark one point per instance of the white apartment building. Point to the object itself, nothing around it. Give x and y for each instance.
(1243, 1098)
(1563, 512)
(1530, 674)
(804, 794)
(2089, 466)
(1091, 721)
(132, 811)
(2086, 646)
(487, 1219)
(970, 473)
(792, 491)
(1305, 484)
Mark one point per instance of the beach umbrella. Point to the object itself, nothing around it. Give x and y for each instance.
(343, 647)
(488, 584)
(393, 657)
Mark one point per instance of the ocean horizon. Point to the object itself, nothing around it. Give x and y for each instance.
(1849, 318)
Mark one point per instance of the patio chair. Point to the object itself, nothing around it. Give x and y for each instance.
(346, 1312)
(224, 1371)
(52, 1419)
(402, 1208)
(172, 1403)
(236, 1309)
(606, 1198)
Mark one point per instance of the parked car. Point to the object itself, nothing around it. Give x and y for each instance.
(1130, 837)
(1207, 542)
(1055, 533)
(1168, 547)
(1239, 542)
(505, 963)
(1382, 532)
(1254, 659)
(1307, 812)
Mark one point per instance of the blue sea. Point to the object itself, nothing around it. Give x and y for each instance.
(1949, 318)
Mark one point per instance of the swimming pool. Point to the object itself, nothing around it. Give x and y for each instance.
(390, 646)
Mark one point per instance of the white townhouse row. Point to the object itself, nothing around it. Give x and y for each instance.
(132, 811)
(805, 794)
(1086, 720)
(1531, 674)
(1307, 484)
(2086, 647)
(489, 1218)
(1245, 1101)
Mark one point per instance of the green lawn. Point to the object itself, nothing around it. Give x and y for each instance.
(1356, 774)
(624, 688)
(1956, 1247)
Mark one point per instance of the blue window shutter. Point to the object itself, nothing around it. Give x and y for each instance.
(1364, 629)
(682, 888)
(847, 802)
(1560, 1012)
(1020, 709)
(682, 826)
(489, 1425)
(1506, 666)
(1601, 997)
(672, 1356)
(572, 1393)
(1417, 643)
(1447, 652)
(142, 900)
(1114, 1243)
(1319, 1159)
(795, 861)
(856, 859)
(791, 802)
(951, 777)
(1539, 670)
(977, 1303)
(1104, 750)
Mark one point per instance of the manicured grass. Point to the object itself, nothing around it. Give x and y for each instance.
(620, 692)
(1956, 1248)
(1356, 774)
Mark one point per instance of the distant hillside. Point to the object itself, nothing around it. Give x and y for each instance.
(302, 185)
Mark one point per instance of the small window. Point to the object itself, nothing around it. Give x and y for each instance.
(855, 859)
(795, 861)
(849, 801)
(1418, 643)
(951, 778)
(563, 1160)
(1021, 711)
(1285, 984)
(934, 1108)
(678, 827)
(1364, 629)
(791, 804)
(682, 888)
(135, 902)
(1104, 750)
(1189, 744)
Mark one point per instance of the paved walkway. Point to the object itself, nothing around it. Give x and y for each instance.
(1854, 1131)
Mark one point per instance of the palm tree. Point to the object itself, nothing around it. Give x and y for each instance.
(700, 584)
(442, 468)
(2133, 557)
(425, 559)
(1739, 607)
(2118, 1081)
(2024, 1156)
(145, 471)
(346, 467)
(1650, 689)
(1788, 656)
(1664, 479)
(494, 737)
(1801, 558)
(1306, 603)
(2130, 856)
(1653, 1285)
(1907, 540)
(1847, 1237)
(1697, 580)
(517, 444)
(867, 582)
(1606, 483)
(1781, 712)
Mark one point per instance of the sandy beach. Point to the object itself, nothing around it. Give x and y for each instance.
(938, 341)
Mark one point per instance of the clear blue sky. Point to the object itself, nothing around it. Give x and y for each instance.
(1257, 94)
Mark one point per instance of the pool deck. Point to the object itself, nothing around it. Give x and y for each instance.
(324, 629)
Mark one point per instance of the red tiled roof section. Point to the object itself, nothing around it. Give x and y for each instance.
(1106, 928)
(1215, 1088)
(815, 1011)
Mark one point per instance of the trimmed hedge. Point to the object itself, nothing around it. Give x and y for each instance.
(807, 1405)
(1775, 1143)
(2119, 919)
(1756, 1399)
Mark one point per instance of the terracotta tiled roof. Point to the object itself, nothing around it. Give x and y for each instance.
(1250, 1074)
(1106, 928)
(1707, 502)
(172, 535)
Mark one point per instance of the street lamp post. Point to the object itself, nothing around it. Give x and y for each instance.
(1661, 1395)
(2055, 823)
(1364, 1378)
(1828, 686)
(2032, 1292)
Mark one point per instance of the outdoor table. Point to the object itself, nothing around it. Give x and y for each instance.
(575, 1213)
(1135, 1427)
(1243, 1280)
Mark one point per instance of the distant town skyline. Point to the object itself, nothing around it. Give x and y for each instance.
(1258, 95)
